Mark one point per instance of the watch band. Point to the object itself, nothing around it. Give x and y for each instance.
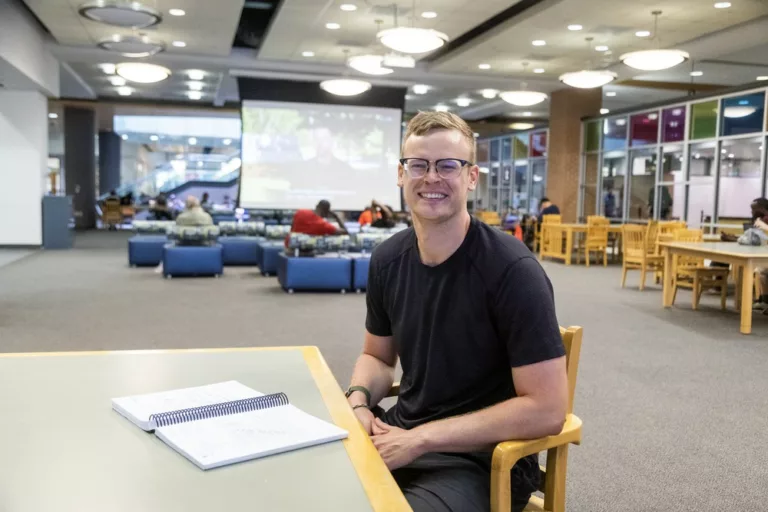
(358, 406)
(363, 390)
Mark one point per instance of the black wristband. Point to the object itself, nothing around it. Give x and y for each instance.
(358, 406)
(363, 390)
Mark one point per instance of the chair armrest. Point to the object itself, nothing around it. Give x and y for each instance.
(507, 453)
(394, 390)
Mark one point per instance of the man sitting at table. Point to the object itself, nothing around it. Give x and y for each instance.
(312, 222)
(759, 209)
(547, 208)
(470, 313)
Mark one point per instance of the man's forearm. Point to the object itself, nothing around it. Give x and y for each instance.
(373, 374)
(517, 418)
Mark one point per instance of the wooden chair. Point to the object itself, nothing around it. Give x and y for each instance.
(597, 239)
(544, 240)
(690, 272)
(507, 453)
(639, 252)
(112, 214)
(666, 233)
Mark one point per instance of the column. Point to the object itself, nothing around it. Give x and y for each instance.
(109, 161)
(80, 163)
(567, 108)
(23, 166)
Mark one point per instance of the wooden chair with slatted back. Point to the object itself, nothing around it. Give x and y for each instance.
(507, 453)
(112, 215)
(639, 252)
(544, 240)
(691, 272)
(597, 239)
(666, 233)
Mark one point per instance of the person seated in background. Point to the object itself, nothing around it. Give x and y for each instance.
(312, 222)
(205, 201)
(547, 208)
(365, 218)
(160, 209)
(127, 199)
(112, 196)
(193, 214)
(384, 216)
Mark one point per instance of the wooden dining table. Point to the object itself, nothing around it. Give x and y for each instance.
(567, 231)
(745, 258)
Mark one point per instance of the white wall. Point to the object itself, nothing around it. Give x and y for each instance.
(23, 166)
(23, 47)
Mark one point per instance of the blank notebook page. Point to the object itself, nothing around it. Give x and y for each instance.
(138, 408)
(215, 442)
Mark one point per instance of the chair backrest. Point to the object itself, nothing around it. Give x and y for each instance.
(553, 218)
(634, 240)
(689, 235)
(597, 230)
(651, 236)
(572, 342)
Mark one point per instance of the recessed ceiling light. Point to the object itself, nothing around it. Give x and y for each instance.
(642, 33)
(227, 142)
(723, 151)
(763, 77)
(117, 81)
(604, 111)
(153, 138)
(527, 114)
(176, 12)
(601, 48)
(109, 69)
(697, 73)
(429, 14)
(722, 5)
(192, 140)
(484, 66)
(142, 72)
(124, 137)
(442, 108)
(348, 7)
(196, 86)
(332, 26)
(575, 27)
(610, 93)
(539, 42)
(730, 155)
(463, 102)
(538, 70)
(53, 115)
(179, 44)
(489, 93)
(521, 126)
(124, 91)
(420, 89)
(307, 54)
(194, 95)
(195, 74)
(476, 134)
(200, 164)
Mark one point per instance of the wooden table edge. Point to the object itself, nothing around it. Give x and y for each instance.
(143, 351)
(383, 492)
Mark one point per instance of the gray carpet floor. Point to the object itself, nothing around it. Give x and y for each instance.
(674, 402)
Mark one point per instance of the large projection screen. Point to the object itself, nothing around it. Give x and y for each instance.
(294, 154)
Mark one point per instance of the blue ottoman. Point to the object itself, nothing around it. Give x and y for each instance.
(268, 256)
(314, 273)
(192, 260)
(240, 250)
(360, 267)
(146, 250)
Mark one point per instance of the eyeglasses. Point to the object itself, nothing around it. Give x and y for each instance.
(446, 167)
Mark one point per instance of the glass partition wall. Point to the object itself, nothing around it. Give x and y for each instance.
(513, 173)
(700, 161)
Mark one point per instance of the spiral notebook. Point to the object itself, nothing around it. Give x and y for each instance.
(226, 423)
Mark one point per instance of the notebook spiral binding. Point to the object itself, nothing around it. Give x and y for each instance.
(256, 403)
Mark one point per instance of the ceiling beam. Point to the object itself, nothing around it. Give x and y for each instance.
(672, 86)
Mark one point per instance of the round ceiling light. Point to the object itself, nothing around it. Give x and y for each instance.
(142, 72)
(654, 60)
(345, 86)
(120, 13)
(521, 126)
(588, 79)
(369, 64)
(523, 98)
(737, 112)
(132, 46)
(412, 39)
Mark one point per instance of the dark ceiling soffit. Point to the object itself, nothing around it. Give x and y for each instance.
(680, 99)
(481, 29)
(271, 23)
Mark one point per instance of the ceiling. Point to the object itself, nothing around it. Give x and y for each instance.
(236, 38)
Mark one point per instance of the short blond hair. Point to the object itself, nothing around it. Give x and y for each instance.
(424, 123)
(192, 202)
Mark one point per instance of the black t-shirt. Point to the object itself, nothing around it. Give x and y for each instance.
(462, 325)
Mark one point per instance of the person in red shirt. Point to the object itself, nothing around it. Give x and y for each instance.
(312, 222)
